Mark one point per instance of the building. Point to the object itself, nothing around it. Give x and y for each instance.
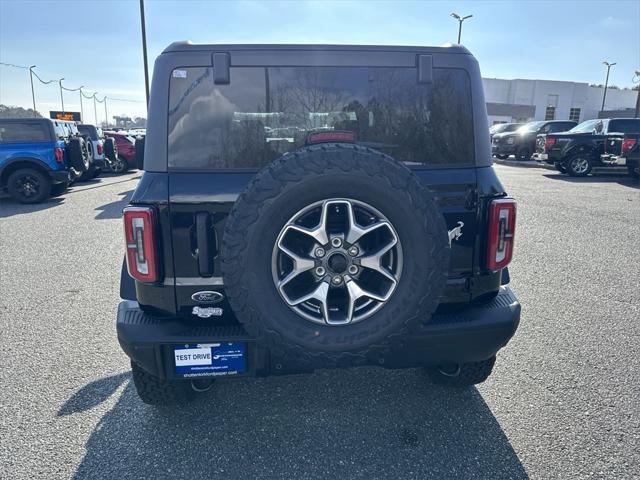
(521, 100)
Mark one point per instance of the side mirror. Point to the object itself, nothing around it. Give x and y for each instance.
(139, 147)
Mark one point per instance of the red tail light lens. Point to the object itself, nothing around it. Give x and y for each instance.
(502, 229)
(99, 148)
(549, 142)
(628, 144)
(59, 154)
(139, 231)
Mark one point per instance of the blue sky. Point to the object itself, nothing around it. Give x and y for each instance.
(97, 44)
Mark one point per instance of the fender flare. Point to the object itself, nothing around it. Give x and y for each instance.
(33, 160)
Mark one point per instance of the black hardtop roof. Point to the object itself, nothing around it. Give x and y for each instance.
(25, 119)
(188, 46)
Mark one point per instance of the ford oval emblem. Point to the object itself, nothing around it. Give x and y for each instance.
(207, 296)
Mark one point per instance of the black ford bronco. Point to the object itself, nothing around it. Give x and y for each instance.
(309, 207)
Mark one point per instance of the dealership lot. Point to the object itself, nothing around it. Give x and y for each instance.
(562, 402)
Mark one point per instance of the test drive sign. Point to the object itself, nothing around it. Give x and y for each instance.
(71, 116)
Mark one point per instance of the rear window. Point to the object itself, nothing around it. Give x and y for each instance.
(266, 112)
(27, 132)
(624, 126)
(89, 130)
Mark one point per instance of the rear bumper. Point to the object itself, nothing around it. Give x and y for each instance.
(503, 149)
(472, 334)
(59, 176)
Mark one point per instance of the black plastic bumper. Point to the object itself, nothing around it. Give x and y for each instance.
(471, 334)
(59, 176)
(503, 149)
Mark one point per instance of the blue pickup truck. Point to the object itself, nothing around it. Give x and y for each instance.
(39, 157)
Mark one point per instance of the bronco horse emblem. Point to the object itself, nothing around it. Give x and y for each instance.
(456, 232)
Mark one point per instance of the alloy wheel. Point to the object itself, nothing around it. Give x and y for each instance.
(337, 261)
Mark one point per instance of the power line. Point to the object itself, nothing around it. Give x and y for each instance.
(12, 65)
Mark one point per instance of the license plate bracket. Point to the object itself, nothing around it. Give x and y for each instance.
(210, 359)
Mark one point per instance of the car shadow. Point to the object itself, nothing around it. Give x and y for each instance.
(364, 423)
(10, 207)
(114, 209)
(621, 179)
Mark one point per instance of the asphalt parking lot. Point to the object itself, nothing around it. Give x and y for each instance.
(562, 402)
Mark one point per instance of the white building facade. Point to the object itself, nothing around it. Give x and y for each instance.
(525, 100)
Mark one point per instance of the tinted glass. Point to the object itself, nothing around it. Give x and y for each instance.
(560, 127)
(624, 126)
(584, 127)
(266, 112)
(530, 127)
(89, 130)
(27, 132)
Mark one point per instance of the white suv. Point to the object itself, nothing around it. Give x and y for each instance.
(95, 146)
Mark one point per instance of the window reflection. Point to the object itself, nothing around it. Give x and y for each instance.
(266, 112)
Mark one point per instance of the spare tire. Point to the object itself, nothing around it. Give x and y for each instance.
(333, 253)
(77, 154)
(110, 152)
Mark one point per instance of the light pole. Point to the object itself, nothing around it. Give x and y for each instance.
(606, 82)
(460, 20)
(61, 97)
(33, 95)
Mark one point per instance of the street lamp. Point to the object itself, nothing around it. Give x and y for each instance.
(606, 82)
(61, 97)
(460, 20)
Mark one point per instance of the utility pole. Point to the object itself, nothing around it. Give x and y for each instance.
(606, 82)
(636, 80)
(61, 97)
(33, 95)
(460, 20)
(106, 118)
(81, 109)
(95, 111)
(144, 51)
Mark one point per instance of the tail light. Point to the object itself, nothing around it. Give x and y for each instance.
(549, 142)
(59, 154)
(628, 144)
(502, 228)
(139, 231)
(99, 148)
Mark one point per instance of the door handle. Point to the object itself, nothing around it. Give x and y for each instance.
(203, 242)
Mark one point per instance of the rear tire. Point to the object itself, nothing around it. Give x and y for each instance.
(462, 375)
(579, 165)
(28, 185)
(77, 154)
(155, 391)
(523, 154)
(119, 166)
(502, 157)
(560, 167)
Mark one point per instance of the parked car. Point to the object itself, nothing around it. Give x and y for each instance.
(241, 260)
(522, 142)
(503, 128)
(94, 137)
(125, 158)
(578, 151)
(39, 157)
(623, 150)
